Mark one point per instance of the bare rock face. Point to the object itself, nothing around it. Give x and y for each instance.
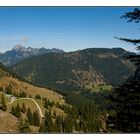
(19, 53)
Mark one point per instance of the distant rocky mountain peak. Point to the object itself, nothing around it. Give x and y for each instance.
(19, 53)
(18, 47)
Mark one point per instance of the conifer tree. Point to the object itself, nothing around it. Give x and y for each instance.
(43, 128)
(127, 100)
(18, 111)
(8, 89)
(3, 104)
(58, 123)
(1, 88)
(23, 108)
(36, 118)
(30, 96)
(13, 110)
(48, 121)
(24, 126)
(30, 116)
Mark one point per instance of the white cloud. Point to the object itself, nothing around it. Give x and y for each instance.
(17, 39)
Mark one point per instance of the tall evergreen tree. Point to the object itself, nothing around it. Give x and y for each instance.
(47, 125)
(30, 116)
(36, 118)
(3, 104)
(24, 126)
(58, 123)
(128, 95)
(1, 88)
(18, 111)
(13, 110)
(8, 89)
(23, 108)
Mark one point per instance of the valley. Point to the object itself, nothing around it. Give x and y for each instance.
(55, 92)
(66, 70)
(70, 72)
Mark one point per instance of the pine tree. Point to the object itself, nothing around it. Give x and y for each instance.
(13, 110)
(8, 89)
(68, 125)
(3, 104)
(48, 121)
(42, 128)
(58, 123)
(127, 100)
(24, 126)
(38, 97)
(36, 118)
(1, 88)
(47, 125)
(30, 116)
(30, 96)
(46, 104)
(18, 111)
(23, 108)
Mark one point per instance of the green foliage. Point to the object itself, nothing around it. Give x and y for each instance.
(24, 126)
(127, 99)
(38, 97)
(23, 108)
(48, 103)
(3, 104)
(30, 116)
(30, 96)
(22, 94)
(18, 111)
(8, 89)
(36, 119)
(1, 88)
(48, 122)
(58, 123)
(13, 110)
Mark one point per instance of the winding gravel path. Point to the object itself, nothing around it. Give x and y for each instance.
(38, 107)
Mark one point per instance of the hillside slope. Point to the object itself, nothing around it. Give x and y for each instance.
(8, 123)
(8, 80)
(72, 71)
(17, 92)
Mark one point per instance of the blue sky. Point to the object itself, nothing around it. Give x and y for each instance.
(67, 28)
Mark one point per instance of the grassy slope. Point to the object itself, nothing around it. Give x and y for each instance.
(8, 123)
(33, 107)
(99, 88)
(18, 86)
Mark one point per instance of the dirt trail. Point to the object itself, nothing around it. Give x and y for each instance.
(38, 107)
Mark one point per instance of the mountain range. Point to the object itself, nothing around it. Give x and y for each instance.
(19, 53)
(65, 89)
(70, 72)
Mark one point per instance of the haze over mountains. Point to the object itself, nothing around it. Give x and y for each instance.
(18, 53)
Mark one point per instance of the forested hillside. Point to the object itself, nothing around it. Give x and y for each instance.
(70, 72)
(26, 108)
